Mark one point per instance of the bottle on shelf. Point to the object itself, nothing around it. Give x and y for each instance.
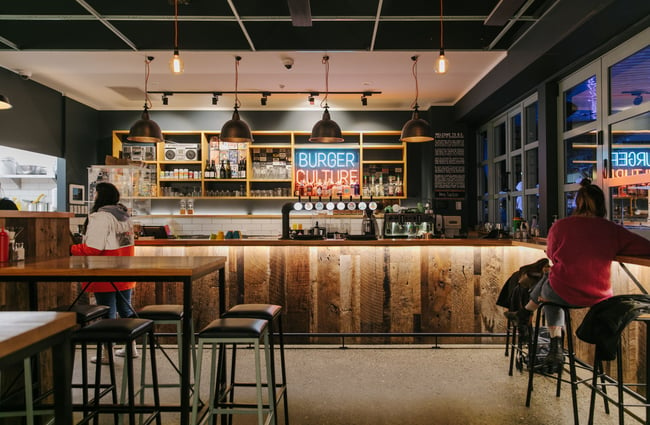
(399, 187)
(222, 170)
(206, 171)
(228, 170)
(213, 170)
(242, 168)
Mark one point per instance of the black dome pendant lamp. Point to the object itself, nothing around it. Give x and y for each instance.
(416, 129)
(236, 130)
(145, 130)
(326, 130)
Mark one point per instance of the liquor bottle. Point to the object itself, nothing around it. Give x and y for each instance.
(222, 170)
(242, 168)
(228, 170)
(206, 171)
(399, 187)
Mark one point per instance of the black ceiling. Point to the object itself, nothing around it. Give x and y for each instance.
(258, 25)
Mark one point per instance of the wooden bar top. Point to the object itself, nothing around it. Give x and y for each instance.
(324, 242)
(108, 266)
(21, 329)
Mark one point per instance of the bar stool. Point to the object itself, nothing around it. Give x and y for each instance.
(570, 353)
(110, 331)
(234, 331)
(165, 314)
(514, 347)
(603, 353)
(273, 314)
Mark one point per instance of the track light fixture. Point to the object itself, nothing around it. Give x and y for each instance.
(442, 64)
(145, 130)
(215, 98)
(416, 129)
(4, 102)
(165, 99)
(364, 100)
(236, 130)
(326, 130)
(310, 98)
(176, 63)
(264, 98)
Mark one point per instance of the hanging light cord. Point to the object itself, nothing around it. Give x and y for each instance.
(175, 26)
(326, 62)
(237, 103)
(442, 44)
(147, 70)
(415, 77)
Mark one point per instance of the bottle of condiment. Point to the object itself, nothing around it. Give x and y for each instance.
(4, 246)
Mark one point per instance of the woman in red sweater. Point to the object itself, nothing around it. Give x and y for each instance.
(581, 248)
(109, 232)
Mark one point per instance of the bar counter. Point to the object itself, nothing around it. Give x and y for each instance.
(402, 286)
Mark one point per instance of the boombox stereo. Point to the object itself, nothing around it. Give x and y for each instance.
(181, 151)
(139, 153)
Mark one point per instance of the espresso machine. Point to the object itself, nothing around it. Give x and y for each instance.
(409, 225)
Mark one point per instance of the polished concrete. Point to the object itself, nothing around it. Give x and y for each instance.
(408, 385)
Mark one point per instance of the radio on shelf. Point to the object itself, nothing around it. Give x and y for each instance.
(181, 151)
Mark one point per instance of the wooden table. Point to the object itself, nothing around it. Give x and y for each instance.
(181, 269)
(26, 333)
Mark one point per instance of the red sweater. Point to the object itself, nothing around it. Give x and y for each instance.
(582, 250)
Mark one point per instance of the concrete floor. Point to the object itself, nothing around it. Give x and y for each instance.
(407, 385)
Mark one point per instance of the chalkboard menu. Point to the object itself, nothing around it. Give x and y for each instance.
(449, 165)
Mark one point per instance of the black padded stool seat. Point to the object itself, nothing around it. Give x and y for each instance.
(234, 328)
(256, 311)
(106, 332)
(86, 313)
(272, 313)
(113, 330)
(161, 312)
(217, 335)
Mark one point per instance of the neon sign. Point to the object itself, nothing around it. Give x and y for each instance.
(630, 162)
(326, 172)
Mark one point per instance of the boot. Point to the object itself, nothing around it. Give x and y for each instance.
(522, 318)
(555, 357)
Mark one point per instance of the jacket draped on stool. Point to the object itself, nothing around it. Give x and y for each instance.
(605, 321)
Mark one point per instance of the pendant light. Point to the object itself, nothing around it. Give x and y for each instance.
(145, 130)
(442, 64)
(416, 129)
(236, 130)
(4, 102)
(326, 130)
(176, 63)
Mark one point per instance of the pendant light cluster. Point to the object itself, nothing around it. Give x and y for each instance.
(416, 129)
(176, 63)
(145, 130)
(442, 64)
(326, 130)
(236, 130)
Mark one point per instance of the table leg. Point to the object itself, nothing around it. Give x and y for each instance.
(62, 375)
(185, 352)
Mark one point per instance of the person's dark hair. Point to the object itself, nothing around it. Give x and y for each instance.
(107, 194)
(590, 200)
(7, 204)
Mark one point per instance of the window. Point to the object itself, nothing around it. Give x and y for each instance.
(508, 178)
(581, 103)
(629, 84)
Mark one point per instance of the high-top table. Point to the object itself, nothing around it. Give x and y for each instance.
(26, 333)
(183, 269)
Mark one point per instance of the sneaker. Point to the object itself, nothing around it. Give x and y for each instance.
(121, 352)
(104, 360)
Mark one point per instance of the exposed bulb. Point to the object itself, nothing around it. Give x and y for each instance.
(442, 64)
(176, 64)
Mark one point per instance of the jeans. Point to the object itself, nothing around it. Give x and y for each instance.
(118, 302)
(554, 315)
